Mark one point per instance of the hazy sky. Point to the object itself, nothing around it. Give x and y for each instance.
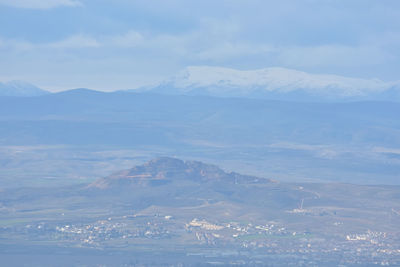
(120, 44)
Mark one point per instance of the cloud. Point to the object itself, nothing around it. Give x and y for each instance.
(233, 50)
(78, 41)
(75, 41)
(215, 46)
(129, 39)
(119, 40)
(332, 55)
(40, 4)
(15, 45)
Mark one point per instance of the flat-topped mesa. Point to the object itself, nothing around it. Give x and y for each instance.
(165, 170)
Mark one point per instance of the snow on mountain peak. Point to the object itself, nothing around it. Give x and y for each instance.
(20, 88)
(219, 80)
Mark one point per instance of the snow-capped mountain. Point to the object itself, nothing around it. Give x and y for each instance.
(276, 83)
(20, 88)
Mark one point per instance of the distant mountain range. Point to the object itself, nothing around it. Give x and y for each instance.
(269, 83)
(275, 84)
(20, 88)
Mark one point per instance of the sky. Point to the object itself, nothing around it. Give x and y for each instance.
(124, 44)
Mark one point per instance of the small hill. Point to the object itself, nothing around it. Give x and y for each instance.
(166, 170)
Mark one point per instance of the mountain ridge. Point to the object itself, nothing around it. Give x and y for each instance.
(20, 88)
(275, 83)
